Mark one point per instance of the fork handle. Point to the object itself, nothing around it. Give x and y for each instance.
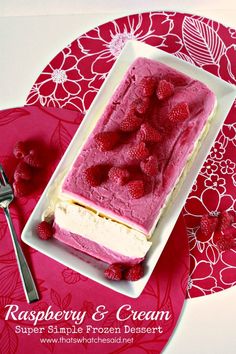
(26, 276)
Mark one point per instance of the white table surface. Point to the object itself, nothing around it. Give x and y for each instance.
(32, 33)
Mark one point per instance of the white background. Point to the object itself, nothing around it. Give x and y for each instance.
(31, 34)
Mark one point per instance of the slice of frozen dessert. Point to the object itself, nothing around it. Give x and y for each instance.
(98, 236)
(127, 169)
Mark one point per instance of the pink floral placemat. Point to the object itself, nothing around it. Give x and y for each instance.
(62, 289)
(72, 79)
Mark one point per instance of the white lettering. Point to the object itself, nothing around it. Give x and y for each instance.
(100, 313)
(11, 312)
(125, 312)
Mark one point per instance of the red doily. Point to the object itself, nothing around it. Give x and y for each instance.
(63, 288)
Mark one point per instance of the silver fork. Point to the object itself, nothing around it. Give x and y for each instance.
(6, 197)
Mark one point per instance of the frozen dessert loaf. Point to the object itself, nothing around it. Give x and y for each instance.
(115, 191)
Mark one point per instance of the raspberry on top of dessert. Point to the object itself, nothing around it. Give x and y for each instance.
(140, 145)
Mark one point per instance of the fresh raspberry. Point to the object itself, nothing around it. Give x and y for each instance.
(21, 188)
(208, 224)
(131, 122)
(33, 158)
(94, 175)
(141, 105)
(165, 89)
(23, 171)
(139, 151)
(44, 230)
(148, 133)
(179, 113)
(136, 189)
(114, 272)
(20, 150)
(134, 273)
(147, 85)
(150, 166)
(225, 220)
(225, 243)
(119, 175)
(107, 140)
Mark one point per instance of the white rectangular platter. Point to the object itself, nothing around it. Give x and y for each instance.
(82, 263)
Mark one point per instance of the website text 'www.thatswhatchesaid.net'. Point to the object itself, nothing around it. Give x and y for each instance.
(84, 340)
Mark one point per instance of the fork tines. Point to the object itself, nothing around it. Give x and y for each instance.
(4, 177)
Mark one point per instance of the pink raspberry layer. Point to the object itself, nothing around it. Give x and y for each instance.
(92, 248)
(172, 151)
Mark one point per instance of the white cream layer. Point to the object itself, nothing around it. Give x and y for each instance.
(106, 232)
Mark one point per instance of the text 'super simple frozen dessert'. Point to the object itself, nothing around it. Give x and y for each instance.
(116, 189)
